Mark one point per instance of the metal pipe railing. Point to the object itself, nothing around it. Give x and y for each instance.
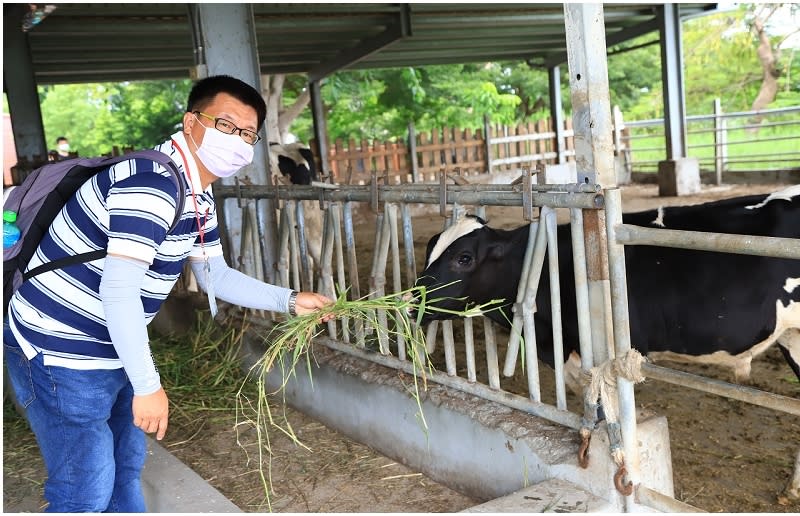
(720, 388)
(494, 195)
(775, 247)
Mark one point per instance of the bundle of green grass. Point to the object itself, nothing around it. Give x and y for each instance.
(289, 342)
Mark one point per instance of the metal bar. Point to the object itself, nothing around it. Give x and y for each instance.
(378, 278)
(737, 114)
(622, 335)
(487, 146)
(581, 289)
(430, 337)
(508, 399)
(306, 266)
(555, 306)
(534, 254)
(352, 262)
(492, 364)
(319, 125)
(283, 245)
(295, 264)
(396, 283)
(720, 388)
(336, 210)
(495, 195)
(661, 502)
(469, 350)
(775, 247)
(588, 82)
(412, 152)
(449, 347)
(719, 134)
(408, 244)
(556, 112)
(326, 265)
(669, 21)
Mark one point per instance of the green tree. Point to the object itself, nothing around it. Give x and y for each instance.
(97, 117)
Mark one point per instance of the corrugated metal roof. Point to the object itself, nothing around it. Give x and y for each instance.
(110, 42)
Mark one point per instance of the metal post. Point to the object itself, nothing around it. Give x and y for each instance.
(720, 140)
(622, 337)
(487, 144)
(556, 115)
(23, 99)
(594, 153)
(320, 127)
(412, 152)
(229, 39)
(672, 80)
(588, 81)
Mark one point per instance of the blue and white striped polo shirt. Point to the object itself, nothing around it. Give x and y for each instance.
(127, 209)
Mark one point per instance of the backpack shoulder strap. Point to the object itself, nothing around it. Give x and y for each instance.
(162, 159)
(149, 154)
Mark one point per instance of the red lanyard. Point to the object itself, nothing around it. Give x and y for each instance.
(194, 198)
(212, 300)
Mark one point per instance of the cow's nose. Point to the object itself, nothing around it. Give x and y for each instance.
(411, 310)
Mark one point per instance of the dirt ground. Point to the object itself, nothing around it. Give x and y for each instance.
(727, 456)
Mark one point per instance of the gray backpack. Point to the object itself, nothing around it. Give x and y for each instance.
(41, 196)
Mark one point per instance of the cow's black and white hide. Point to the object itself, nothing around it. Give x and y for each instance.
(296, 165)
(294, 161)
(684, 305)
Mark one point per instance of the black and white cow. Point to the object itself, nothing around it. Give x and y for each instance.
(684, 305)
(295, 161)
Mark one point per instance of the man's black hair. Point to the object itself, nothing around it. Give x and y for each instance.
(61, 139)
(206, 89)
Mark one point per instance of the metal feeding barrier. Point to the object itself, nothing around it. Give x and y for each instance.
(393, 205)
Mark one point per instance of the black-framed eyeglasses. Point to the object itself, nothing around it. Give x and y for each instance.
(226, 126)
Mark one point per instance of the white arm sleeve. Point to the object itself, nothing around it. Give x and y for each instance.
(240, 289)
(120, 290)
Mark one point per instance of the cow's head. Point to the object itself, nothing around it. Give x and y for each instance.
(295, 161)
(467, 264)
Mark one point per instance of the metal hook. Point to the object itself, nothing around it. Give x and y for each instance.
(583, 455)
(624, 489)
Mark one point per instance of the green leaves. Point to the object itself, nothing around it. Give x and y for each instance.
(96, 117)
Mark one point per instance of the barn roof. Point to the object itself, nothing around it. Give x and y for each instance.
(91, 42)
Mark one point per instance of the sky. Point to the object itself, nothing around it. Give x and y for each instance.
(781, 23)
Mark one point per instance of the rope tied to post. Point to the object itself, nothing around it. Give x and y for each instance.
(600, 384)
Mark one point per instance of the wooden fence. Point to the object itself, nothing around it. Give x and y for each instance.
(459, 151)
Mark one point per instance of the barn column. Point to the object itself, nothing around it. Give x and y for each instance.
(320, 126)
(19, 84)
(229, 44)
(594, 154)
(678, 174)
(556, 114)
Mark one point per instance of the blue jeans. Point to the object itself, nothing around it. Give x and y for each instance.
(84, 426)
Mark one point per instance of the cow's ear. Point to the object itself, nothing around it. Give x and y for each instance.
(309, 157)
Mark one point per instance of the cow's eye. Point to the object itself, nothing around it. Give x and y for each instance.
(464, 259)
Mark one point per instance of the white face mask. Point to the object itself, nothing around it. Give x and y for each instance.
(63, 147)
(223, 154)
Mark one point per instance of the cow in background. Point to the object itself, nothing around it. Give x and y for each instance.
(295, 161)
(296, 165)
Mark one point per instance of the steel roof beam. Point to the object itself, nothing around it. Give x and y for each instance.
(399, 30)
(611, 39)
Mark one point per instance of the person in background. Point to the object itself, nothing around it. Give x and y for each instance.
(76, 342)
(61, 152)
